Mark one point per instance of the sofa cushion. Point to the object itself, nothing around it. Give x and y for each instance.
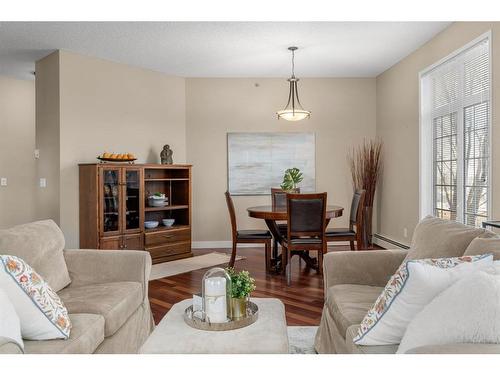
(438, 238)
(10, 326)
(349, 303)
(466, 312)
(352, 332)
(86, 335)
(481, 245)
(40, 244)
(456, 348)
(42, 315)
(9, 347)
(409, 290)
(116, 302)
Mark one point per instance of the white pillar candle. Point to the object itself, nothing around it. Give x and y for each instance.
(215, 299)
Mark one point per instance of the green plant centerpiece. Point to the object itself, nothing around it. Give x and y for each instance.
(292, 177)
(241, 287)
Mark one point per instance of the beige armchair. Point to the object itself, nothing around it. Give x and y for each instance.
(354, 280)
(107, 294)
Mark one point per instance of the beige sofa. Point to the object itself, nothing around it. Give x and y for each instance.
(105, 292)
(354, 280)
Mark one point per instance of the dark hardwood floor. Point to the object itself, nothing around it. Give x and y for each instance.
(303, 299)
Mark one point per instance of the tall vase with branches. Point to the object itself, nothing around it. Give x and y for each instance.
(365, 163)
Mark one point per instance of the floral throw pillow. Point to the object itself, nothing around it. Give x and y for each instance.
(410, 289)
(41, 312)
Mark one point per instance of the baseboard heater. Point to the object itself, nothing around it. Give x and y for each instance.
(392, 242)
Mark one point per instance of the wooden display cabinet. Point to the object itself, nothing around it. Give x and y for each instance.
(114, 206)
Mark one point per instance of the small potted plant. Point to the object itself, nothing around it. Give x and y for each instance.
(241, 287)
(292, 177)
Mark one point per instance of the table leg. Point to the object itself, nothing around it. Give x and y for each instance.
(275, 261)
(312, 262)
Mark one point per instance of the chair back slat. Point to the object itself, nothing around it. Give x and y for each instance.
(357, 204)
(232, 213)
(306, 214)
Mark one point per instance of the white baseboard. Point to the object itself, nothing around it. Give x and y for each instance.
(388, 243)
(220, 245)
(379, 240)
(229, 244)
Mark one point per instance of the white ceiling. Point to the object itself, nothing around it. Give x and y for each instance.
(220, 49)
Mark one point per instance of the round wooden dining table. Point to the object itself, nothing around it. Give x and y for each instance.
(273, 213)
(278, 213)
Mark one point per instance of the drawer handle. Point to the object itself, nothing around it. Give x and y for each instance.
(168, 235)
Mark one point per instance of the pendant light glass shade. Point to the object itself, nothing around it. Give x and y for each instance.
(293, 110)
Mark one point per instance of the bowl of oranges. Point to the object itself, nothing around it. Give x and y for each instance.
(117, 158)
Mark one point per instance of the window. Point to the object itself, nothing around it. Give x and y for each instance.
(455, 117)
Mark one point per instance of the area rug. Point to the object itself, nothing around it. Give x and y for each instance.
(177, 267)
(301, 339)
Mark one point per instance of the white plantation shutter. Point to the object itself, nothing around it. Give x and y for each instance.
(455, 101)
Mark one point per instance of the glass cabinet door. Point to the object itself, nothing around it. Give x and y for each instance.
(132, 199)
(111, 200)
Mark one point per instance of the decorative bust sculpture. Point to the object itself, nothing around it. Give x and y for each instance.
(166, 155)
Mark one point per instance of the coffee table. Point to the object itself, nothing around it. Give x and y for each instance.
(267, 335)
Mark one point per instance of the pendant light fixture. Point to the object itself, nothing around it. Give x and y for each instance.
(293, 110)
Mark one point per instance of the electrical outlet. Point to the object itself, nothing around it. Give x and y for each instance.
(37, 154)
(3, 181)
(43, 182)
(405, 233)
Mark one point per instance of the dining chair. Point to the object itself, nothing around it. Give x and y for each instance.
(278, 199)
(306, 228)
(247, 236)
(355, 230)
(278, 196)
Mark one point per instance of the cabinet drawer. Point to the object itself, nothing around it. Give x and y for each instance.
(132, 242)
(110, 243)
(166, 237)
(168, 250)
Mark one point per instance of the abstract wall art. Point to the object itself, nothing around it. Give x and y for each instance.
(257, 161)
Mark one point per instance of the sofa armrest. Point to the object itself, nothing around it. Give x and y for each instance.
(102, 266)
(458, 348)
(7, 347)
(370, 267)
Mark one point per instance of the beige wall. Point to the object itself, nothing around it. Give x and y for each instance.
(109, 106)
(113, 107)
(17, 143)
(47, 137)
(398, 127)
(105, 106)
(343, 113)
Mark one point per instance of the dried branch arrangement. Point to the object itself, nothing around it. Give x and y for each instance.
(365, 164)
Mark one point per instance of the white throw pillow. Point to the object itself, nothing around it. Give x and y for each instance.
(466, 312)
(496, 266)
(40, 310)
(409, 290)
(10, 327)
